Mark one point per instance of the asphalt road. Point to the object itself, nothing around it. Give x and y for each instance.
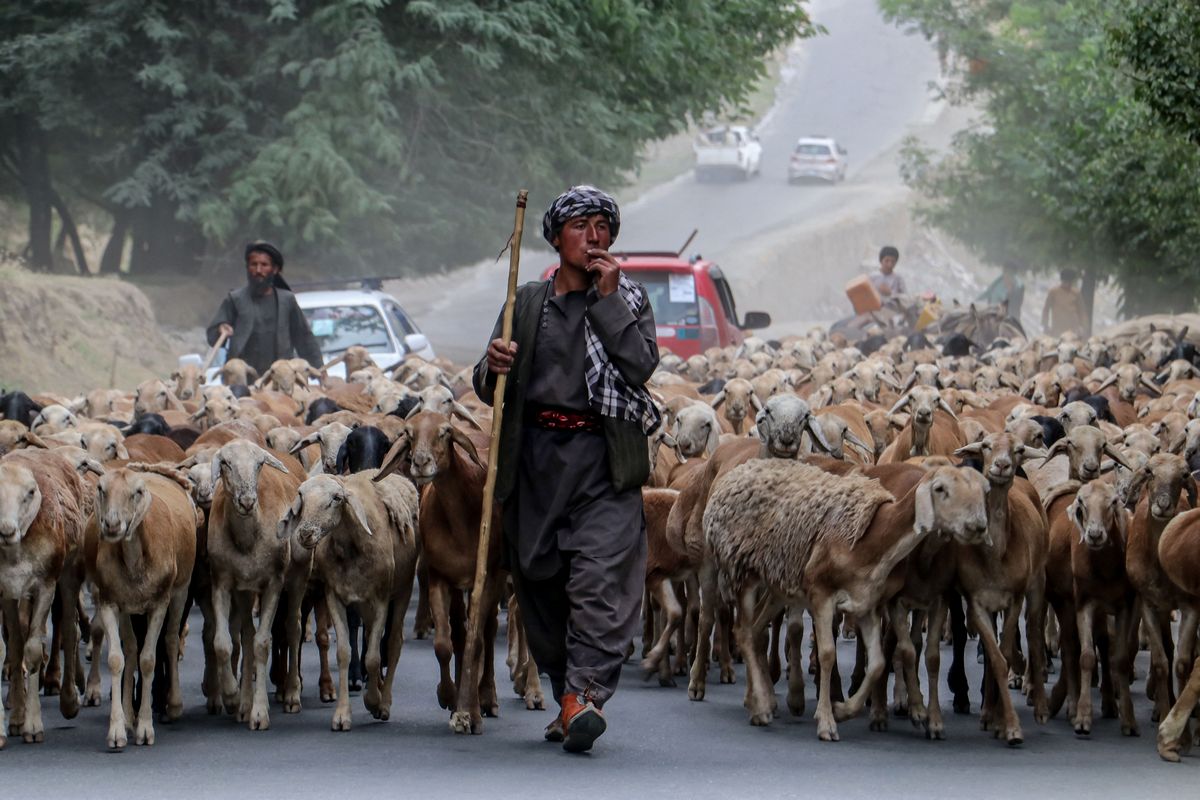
(865, 83)
(659, 744)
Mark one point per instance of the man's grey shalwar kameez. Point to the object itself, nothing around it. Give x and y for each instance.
(576, 546)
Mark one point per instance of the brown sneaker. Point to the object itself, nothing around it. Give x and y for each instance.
(582, 722)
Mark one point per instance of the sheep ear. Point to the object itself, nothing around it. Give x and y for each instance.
(946, 407)
(357, 512)
(311, 439)
(464, 441)
(819, 435)
(904, 400)
(273, 462)
(970, 450)
(858, 443)
(1030, 453)
(1189, 486)
(719, 399)
(395, 457)
(714, 440)
(122, 453)
(216, 469)
(1150, 387)
(1057, 448)
(287, 525)
(457, 409)
(1109, 381)
(1115, 455)
(31, 439)
(923, 508)
(416, 409)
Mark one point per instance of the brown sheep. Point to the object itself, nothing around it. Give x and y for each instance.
(928, 432)
(40, 534)
(141, 545)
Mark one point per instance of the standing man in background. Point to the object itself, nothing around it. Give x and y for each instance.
(262, 320)
(886, 281)
(1064, 310)
(1008, 288)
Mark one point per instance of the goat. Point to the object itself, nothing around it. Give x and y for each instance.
(926, 433)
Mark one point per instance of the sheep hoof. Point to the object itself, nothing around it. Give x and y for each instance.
(1130, 730)
(696, 691)
(761, 720)
(461, 722)
(727, 675)
(91, 697)
(116, 737)
(3, 740)
(144, 735)
(918, 715)
(827, 732)
(446, 695)
(341, 721)
(1083, 728)
(68, 705)
(667, 682)
(260, 719)
(328, 695)
(383, 713)
(535, 701)
(33, 737)
(291, 706)
(1169, 752)
(935, 732)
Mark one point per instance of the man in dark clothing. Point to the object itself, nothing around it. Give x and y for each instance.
(263, 320)
(573, 458)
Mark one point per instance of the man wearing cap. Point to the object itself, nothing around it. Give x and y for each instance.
(573, 457)
(262, 320)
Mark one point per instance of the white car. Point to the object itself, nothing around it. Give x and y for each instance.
(818, 157)
(732, 150)
(341, 319)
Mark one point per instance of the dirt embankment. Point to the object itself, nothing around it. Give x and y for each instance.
(64, 335)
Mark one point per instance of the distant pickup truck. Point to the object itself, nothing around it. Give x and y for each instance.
(729, 150)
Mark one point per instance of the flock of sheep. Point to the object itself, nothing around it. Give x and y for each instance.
(911, 494)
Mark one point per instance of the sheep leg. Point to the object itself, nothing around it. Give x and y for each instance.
(1174, 732)
(1084, 618)
(1160, 677)
(822, 613)
(917, 713)
(516, 675)
(260, 717)
(17, 633)
(870, 630)
(1035, 624)
(68, 698)
(247, 603)
(794, 648)
(1010, 645)
(659, 658)
(957, 676)
(341, 629)
(52, 677)
(774, 664)
(649, 621)
(33, 730)
(1185, 648)
(726, 640)
(439, 607)
(144, 731)
(999, 669)
(759, 692)
(1066, 687)
(117, 737)
(374, 616)
(686, 646)
(223, 647)
(129, 648)
(174, 643)
(3, 710)
(489, 702)
(472, 690)
(355, 621)
(1124, 647)
(91, 694)
(935, 726)
(424, 623)
(704, 632)
(294, 626)
(210, 684)
(395, 640)
(322, 622)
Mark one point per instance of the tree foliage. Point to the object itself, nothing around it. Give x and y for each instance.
(1160, 41)
(1066, 165)
(364, 133)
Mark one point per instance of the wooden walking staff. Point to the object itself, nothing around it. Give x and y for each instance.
(464, 719)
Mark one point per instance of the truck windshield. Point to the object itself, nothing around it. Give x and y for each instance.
(340, 327)
(672, 296)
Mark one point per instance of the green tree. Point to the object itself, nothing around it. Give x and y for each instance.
(1160, 41)
(1066, 166)
(362, 134)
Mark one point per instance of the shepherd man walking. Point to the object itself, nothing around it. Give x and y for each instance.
(573, 458)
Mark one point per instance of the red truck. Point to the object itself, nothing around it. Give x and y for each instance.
(692, 301)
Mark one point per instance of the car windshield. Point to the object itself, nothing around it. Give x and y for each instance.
(340, 327)
(812, 149)
(672, 296)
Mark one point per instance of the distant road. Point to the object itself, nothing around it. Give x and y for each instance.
(865, 83)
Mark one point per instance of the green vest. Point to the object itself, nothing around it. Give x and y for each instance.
(628, 449)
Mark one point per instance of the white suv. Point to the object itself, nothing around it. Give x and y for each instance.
(818, 157)
(371, 318)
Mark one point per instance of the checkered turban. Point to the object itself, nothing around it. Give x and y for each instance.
(580, 201)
